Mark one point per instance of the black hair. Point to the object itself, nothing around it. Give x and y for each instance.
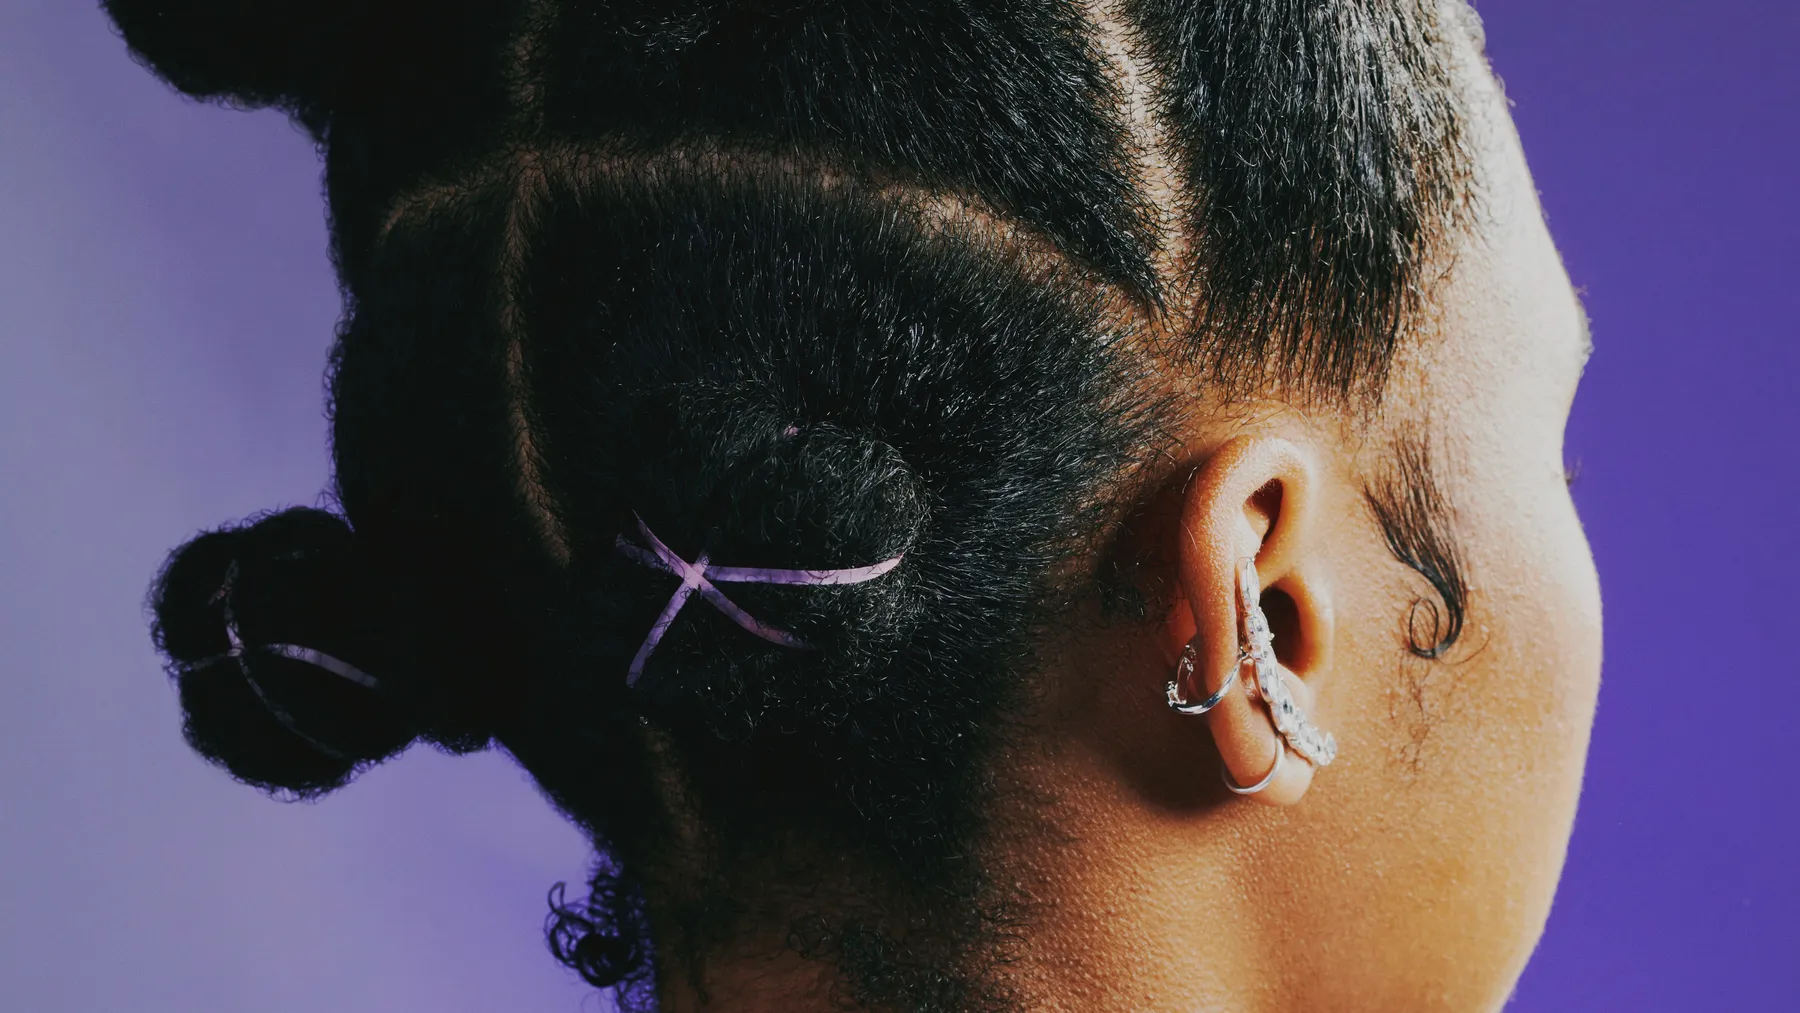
(275, 721)
(1324, 148)
(1410, 506)
(795, 284)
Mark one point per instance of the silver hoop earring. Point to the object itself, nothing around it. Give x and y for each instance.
(1184, 668)
(1268, 779)
(1317, 746)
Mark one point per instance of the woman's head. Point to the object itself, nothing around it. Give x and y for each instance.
(1068, 308)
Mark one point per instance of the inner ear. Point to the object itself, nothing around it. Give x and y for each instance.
(1284, 624)
(1264, 508)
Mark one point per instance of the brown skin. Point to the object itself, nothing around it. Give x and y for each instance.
(1417, 871)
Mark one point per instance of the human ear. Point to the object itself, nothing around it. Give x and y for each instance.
(1255, 499)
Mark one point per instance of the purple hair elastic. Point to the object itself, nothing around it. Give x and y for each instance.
(699, 575)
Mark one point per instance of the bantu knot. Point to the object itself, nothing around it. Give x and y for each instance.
(278, 638)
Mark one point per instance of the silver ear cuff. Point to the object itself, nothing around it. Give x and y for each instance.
(1268, 779)
(1184, 669)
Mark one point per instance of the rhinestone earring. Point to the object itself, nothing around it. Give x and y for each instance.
(1317, 746)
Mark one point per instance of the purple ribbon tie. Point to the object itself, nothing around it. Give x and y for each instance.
(236, 651)
(698, 577)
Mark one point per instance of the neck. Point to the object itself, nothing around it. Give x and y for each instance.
(1131, 932)
(839, 935)
(1125, 889)
(1142, 907)
(1147, 888)
(1127, 925)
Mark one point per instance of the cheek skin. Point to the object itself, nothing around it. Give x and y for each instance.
(1434, 846)
(1518, 742)
(1502, 723)
(1506, 716)
(1428, 855)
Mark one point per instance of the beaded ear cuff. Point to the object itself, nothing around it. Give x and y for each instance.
(1318, 746)
(1256, 647)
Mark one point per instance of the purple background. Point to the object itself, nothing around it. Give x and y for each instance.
(165, 306)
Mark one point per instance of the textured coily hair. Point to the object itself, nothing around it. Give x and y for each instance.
(793, 284)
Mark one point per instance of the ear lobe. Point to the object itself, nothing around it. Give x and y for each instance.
(254, 52)
(1253, 500)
